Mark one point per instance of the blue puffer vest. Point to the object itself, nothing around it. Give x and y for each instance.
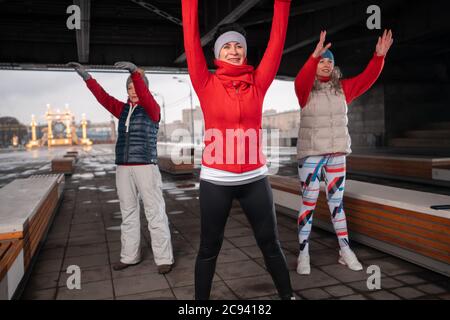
(138, 145)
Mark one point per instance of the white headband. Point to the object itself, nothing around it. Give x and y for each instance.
(226, 37)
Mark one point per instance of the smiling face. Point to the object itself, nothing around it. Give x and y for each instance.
(132, 93)
(232, 52)
(325, 67)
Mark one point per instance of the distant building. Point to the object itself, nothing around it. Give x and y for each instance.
(287, 122)
(9, 128)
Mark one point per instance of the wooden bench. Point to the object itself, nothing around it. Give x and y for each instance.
(412, 167)
(11, 267)
(441, 173)
(28, 206)
(397, 221)
(186, 167)
(63, 165)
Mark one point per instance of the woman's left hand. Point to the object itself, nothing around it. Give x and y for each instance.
(384, 43)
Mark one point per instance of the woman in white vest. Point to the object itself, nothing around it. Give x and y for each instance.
(324, 141)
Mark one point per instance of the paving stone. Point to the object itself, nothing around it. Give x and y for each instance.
(90, 291)
(354, 297)
(181, 277)
(383, 295)
(99, 259)
(339, 290)
(410, 279)
(219, 291)
(243, 241)
(393, 266)
(46, 294)
(324, 257)
(43, 281)
(252, 251)
(314, 294)
(239, 269)
(238, 232)
(47, 266)
(431, 288)
(316, 279)
(344, 274)
(139, 284)
(165, 294)
(252, 287)
(51, 254)
(86, 249)
(231, 255)
(408, 292)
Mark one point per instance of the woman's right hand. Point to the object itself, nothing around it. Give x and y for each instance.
(320, 49)
(80, 70)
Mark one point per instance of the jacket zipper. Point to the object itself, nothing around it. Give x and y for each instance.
(240, 120)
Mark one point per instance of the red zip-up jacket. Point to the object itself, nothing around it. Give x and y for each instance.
(352, 87)
(232, 97)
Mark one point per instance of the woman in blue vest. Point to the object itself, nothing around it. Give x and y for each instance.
(137, 172)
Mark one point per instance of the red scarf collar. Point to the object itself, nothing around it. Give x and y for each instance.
(230, 72)
(323, 79)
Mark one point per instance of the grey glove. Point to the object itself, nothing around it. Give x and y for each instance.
(126, 65)
(80, 70)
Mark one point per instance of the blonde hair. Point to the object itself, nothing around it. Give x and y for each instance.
(335, 82)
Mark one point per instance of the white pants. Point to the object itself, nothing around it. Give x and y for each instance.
(144, 180)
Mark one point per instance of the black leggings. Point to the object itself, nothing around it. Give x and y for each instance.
(257, 202)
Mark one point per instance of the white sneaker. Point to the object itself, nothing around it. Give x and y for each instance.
(348, 258)
(303, 266)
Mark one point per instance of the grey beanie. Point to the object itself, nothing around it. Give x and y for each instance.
(229, 37)
(129, 80)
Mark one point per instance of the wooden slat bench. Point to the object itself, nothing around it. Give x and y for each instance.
(166, 164)
(11, 267)
(63, 165)
(397, 221)
(28, 206)
(413, 167)
(441, 172)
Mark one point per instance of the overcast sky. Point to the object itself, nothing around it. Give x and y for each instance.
(23, 93)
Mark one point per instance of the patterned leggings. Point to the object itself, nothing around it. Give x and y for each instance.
(331, 170)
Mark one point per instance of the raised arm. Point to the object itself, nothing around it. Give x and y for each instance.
(304, 81)
(110, 103)
(146, 99)
(268, 67)
(356, 86)
(197, 66)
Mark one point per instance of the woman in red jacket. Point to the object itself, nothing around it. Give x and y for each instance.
(233, 166)
(324, 141)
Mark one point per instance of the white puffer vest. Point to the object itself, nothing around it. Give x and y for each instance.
(323, 124)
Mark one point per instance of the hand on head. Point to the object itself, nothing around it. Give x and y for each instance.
(80, 70)
(384, 43)
(320, 49)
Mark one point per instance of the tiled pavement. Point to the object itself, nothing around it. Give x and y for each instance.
(85, 233)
